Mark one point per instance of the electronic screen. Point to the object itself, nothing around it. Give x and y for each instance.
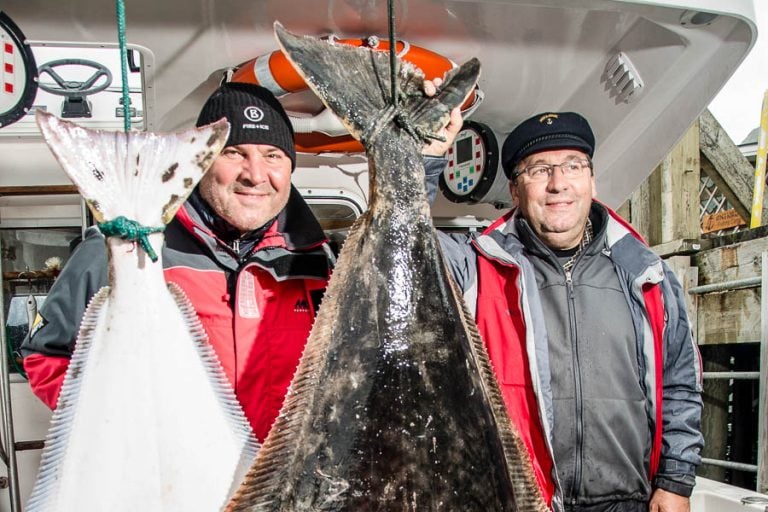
(463, 150)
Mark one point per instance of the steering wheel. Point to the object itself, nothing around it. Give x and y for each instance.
(73, 88)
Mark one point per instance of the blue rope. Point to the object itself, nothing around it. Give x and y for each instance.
(132, 231)
(123, 64)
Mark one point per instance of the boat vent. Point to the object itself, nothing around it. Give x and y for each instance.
(622, 80)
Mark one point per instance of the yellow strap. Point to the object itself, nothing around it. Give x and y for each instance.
(762, 147)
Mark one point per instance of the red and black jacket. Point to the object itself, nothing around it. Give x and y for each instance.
(257, 310)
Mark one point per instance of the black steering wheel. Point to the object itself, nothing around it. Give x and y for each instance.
(73, 88)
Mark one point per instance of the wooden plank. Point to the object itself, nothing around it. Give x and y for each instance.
(728, 317)
(639, 208)
(684, 246)
(725, 165)
(691, 280)
(655, 204)
(683, 200)
(726, 219)
(44, 190)
(674, 192)
(739, 260)
(688, 277)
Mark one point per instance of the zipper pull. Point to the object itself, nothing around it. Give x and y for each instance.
(236, 245)
(569, 283)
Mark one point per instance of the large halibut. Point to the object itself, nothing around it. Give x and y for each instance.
(146, 419)
(394, 406)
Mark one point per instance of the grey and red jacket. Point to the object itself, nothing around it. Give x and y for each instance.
(594, 433)
(565, 354)
(257, 309)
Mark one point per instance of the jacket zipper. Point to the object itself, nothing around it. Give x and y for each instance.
(577, 467)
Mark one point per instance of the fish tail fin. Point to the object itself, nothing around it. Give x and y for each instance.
(139, 175)
(359, 97)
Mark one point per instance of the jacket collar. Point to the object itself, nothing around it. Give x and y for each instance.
(298, 225)
(598, 215)
(503, 241)
(295, 228)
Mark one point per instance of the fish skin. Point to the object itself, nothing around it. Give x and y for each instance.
(394, 406)
(146, 419)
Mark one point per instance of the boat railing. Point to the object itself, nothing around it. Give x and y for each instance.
(761, 468)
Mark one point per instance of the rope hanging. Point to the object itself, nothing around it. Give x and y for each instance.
(392, 53)
(400, 117)
(123, 63)
(131, 231)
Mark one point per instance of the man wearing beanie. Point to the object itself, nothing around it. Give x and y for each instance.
(245, 248)
(586, 328)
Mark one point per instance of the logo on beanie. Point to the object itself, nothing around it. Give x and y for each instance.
(254, 114)
(548, 118)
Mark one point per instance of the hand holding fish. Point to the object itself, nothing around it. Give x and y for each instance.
(437, 147)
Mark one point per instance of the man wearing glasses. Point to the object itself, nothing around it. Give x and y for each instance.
(587, 331)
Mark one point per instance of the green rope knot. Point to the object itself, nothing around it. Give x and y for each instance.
(132, 231)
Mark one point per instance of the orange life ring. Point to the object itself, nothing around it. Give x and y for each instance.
(274, 72)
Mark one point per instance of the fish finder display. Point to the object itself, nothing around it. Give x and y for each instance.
(463, 150)
(473, 164)
(466, 161)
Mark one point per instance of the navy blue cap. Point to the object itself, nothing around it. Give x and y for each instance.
(549, 130)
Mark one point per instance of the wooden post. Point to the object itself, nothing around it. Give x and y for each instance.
(683, 200)
(640, 209)
(688, 276)
(673, 193)
(714, 420)
(762, 405)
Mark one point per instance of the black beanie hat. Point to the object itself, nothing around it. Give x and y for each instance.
(549, 130)
(255, 116)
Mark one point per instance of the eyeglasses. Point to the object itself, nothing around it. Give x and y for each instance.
(571, 169)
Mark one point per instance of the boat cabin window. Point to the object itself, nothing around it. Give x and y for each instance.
(32, 257)
(336, 215)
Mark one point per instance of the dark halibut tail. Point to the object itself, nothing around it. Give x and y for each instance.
(394, 406)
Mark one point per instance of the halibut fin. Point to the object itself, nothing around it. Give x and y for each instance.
(130, 174)
(272, 473)
(360, 98)
(221, 386)
(62, 420)
(519, 464)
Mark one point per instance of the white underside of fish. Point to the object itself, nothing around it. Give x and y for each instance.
(146, 420)
(143, 431)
